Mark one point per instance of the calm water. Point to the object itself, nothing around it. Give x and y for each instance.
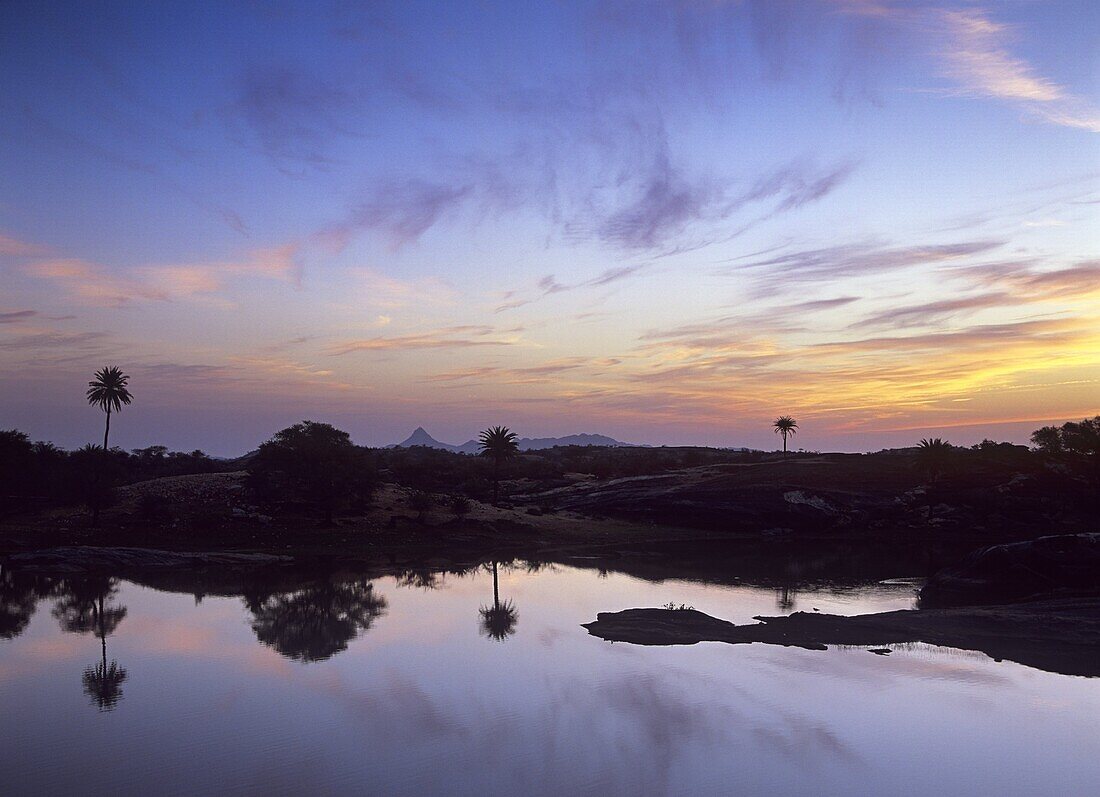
(389, 687)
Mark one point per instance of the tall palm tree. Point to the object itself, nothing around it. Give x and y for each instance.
(932, 456)
(785, 425)
(498, 442)
(108, 392)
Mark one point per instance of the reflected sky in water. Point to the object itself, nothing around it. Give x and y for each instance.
(347, 685)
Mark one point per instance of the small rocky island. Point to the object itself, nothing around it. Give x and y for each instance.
(1052, 621)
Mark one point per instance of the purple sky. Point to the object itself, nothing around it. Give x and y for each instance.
(666, 222)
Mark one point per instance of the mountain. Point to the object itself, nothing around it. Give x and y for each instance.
(420, 437)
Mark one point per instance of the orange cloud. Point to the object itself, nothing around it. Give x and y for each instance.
(13, 247)
(97, 284)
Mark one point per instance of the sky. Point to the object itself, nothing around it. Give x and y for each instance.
(668, 222)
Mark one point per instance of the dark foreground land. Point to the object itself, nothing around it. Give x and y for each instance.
(573, 498)
(656, 514)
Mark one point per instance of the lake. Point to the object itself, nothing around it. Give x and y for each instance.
(425, 683)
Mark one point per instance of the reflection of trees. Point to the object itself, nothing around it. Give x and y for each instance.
(316, 622)
(421, 579)
(499, 620)
(785, 597)
(19, 596)
(86, 605)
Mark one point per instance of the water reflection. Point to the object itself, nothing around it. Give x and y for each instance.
(88, 605)
(317, 621)
(19, 596)
(499, 620)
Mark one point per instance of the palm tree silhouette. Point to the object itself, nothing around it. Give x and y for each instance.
(86, 605)
(108, 391)
(499, 620)
(498, 442)
(785, 425)
(932, 456)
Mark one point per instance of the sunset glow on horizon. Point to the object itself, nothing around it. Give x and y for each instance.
(664, 222)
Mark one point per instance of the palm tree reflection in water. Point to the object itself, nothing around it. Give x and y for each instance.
(86, 606)
(499, 620)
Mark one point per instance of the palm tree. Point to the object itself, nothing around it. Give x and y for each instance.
(932, 456)
(108, 391)
(785, 425)
(498, 442)
(499, 620)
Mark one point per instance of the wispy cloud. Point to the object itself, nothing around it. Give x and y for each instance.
(291, 113)
(973, 50)
(13, 247)
(456, 337)
(385, 291)
(17, 316)
(549, 285)
(98, 284)
(545, 372)
(851, 260)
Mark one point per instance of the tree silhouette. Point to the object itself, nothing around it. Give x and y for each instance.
(85, 606)
(317, 622)
(499, 620)
(312, 462)
(109, 392)
(498, 442)
(933, 454)
(785, 425)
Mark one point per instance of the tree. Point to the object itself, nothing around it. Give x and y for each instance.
(1073, 437)
(933, 454)
(16, 460)
(785, 425)
(109, 392)
(314, 462)
(498, 442)
(499, 620)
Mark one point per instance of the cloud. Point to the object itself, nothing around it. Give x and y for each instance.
(797, 185)
(382, 290)
(13, 247)
(852, 260)
(455, 337)
(402, 212)
(549, 285)
(98, 284)
(932, 312)
(667, 202)
(290, 112)
(531, 374)
(1028, 283)
(972, 51)
(17, 316)
(54, 341)
(93, 283)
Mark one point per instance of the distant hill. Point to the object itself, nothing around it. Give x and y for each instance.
(420, 437)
